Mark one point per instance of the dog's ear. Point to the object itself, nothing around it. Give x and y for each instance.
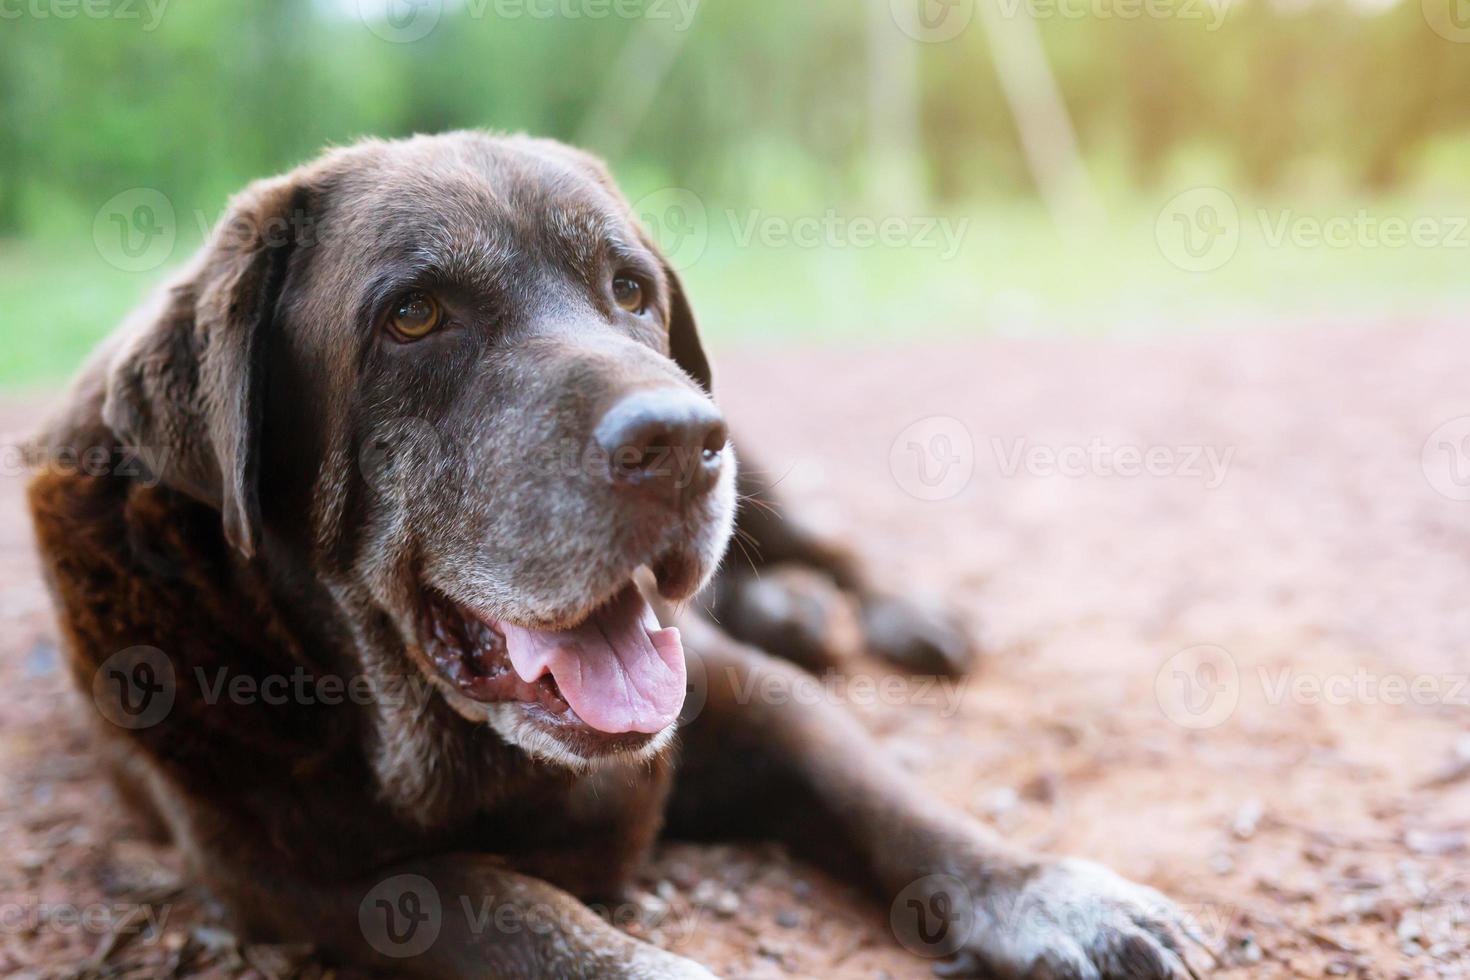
(684, 345)
(187, 387)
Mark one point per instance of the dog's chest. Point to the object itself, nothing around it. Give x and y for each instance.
(588, 835)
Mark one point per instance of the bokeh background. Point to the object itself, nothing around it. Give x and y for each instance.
(938, 247)
(1051, 135)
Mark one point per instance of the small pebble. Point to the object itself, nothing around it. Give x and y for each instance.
(1247, 818)
(652, 906)
(1434, 843)
(1001, 801)
(684, 875)
(1462, 748)
(728, 903)
(1248, 951)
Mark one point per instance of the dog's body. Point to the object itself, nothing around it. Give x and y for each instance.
(356, 594)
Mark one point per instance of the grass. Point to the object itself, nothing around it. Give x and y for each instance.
(1012, 273)
(58, 304)
(1016, 275)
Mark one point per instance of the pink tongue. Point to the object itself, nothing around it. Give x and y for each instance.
(618, 670)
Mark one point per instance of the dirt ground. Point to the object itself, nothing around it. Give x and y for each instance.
(1242, 681)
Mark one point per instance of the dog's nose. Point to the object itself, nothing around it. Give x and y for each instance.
(665, 442)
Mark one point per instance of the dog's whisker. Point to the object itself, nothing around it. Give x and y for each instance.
(740, 540)
(768, 506)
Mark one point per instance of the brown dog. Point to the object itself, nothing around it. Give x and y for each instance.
(364, 624)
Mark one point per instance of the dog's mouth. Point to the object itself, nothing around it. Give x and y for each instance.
(615, 673)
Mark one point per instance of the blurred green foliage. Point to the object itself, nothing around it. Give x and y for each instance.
(766, 104)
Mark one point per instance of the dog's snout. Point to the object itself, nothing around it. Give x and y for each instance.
(665, 442)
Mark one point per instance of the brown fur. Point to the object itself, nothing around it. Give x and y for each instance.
(259, 544)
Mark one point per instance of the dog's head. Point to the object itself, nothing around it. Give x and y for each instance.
(452, 377)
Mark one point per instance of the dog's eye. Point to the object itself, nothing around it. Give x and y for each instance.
(415, 316)
(629, 294)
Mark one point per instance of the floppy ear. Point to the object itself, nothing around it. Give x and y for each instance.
(684, 345)
(188, 384)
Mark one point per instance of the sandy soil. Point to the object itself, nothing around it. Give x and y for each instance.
(1241, 678)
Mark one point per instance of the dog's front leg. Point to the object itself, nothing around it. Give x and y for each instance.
(452, 916)
(766, 755)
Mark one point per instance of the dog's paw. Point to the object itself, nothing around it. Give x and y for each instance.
(793, 612)
(920, 637)
(1066, 920)
(800, 615)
